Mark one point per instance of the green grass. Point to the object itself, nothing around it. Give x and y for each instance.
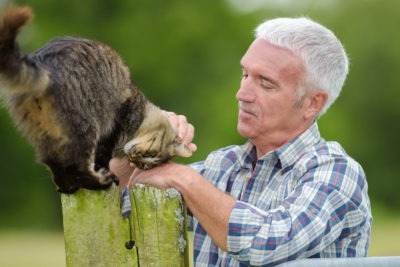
(385, 236)
(46, 249)
(34, 249)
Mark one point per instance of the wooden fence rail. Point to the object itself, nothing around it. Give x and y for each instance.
(96, 234)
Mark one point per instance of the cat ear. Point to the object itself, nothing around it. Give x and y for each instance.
(181, 150)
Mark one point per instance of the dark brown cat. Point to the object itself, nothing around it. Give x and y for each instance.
(75, 102)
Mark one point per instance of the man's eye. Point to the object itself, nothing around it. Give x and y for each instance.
(266, 84)
(244, 75)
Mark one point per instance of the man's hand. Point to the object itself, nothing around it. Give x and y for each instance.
(122, 168)
(162, 176)
(184, 129)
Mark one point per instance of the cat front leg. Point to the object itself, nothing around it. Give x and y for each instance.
(69, 178)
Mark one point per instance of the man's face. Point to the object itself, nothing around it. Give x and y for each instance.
(267, 94)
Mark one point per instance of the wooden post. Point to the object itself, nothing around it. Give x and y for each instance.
(96, 234)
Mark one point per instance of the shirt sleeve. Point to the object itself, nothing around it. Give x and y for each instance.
(326, 204)
(198, 167)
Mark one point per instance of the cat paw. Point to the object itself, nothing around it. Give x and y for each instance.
(103, 175)
(67, 189)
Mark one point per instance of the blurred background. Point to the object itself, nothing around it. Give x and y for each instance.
(185, 55)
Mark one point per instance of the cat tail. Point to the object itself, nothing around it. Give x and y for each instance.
(18, 74)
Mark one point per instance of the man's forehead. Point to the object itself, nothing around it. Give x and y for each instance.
(261, 50)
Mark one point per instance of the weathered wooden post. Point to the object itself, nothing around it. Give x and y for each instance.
(96, 233)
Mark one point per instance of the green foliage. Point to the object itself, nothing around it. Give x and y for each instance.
(185, 56)
(367, 115)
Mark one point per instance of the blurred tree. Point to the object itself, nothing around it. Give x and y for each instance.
(371, 99)
(185, 56)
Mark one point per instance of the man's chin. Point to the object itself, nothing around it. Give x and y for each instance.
(245, 131)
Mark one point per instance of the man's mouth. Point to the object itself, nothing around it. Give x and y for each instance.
(245, 108)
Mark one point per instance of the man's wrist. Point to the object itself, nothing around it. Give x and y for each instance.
(180, 182)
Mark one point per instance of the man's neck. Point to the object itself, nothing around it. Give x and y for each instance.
(273, 141)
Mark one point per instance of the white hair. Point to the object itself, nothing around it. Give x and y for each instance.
(325, 60)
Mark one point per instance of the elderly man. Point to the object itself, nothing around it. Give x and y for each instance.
(286, 193)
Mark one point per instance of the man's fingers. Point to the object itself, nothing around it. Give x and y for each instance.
(122, 169)
(189, 138)
(134, 177)
(192, 147)
(184, 129)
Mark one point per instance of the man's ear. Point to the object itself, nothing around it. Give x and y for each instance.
(314, 103)
(181, 150)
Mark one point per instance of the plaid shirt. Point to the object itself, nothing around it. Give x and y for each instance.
(305, 199)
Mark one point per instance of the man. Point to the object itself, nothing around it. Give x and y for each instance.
(286, 193)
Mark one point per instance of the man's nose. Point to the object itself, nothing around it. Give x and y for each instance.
(246, 90)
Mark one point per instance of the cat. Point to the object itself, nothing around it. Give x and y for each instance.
(75, 102)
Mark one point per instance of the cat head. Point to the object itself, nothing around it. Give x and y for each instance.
(155, 142)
